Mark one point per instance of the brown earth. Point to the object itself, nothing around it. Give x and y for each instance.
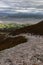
(36, 29)
(11, 42)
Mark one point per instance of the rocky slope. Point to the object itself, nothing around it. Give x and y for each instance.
(28, 53)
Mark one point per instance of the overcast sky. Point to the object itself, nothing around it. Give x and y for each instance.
(29, 6)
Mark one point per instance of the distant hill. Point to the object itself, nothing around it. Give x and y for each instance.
(33, 29)
(21, 15)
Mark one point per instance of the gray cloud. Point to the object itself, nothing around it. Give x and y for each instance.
(29, 6)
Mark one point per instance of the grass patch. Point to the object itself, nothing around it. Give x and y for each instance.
(13, 25)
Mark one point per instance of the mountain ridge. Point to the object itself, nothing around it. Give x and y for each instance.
(33, 29)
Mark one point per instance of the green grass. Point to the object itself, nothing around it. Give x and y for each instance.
(13, 25)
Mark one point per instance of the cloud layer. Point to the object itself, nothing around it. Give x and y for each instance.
(24, 6)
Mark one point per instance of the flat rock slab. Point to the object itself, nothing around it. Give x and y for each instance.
(30, 53)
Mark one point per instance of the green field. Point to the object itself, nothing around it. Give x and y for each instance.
(13, 25)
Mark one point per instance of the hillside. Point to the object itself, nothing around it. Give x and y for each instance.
(20, 48)
(10, 39)
(33, 29)
(27, 53)
(9, 42)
